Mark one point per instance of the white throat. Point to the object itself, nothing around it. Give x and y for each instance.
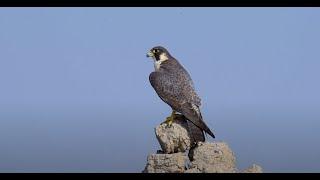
(163, 57)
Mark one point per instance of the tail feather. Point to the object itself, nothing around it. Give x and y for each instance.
(194, 116)
(207, 129)
(196, 132)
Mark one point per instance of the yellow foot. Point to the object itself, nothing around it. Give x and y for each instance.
(169, 119)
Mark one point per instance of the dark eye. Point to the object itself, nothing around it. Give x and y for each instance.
(156, 50)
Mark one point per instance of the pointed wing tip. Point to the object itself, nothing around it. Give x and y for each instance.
(211, 134)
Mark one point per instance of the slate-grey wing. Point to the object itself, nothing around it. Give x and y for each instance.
(165, 87)
(169, 90)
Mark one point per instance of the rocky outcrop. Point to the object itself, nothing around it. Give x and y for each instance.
(174, 139)
(212, 158)
(166, 163)
(179, 154)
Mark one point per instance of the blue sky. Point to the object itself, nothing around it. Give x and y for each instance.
(75, 94)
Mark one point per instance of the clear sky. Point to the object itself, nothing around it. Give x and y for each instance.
(75, 94)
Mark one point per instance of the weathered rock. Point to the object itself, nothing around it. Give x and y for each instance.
(253, 169)
(165, 163)
(213, 158)
(193, 170)
(175, 138)
(205, 157)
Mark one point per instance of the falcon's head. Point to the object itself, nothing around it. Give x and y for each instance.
(159, 54)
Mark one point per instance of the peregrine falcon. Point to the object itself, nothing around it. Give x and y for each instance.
(174, 86)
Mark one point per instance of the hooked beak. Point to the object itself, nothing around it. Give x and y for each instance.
(150, 54)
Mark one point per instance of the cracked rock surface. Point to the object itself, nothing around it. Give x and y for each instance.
(165, 163)
(175, 138)
(177, 157)
(213, 158)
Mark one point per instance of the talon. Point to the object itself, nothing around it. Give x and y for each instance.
(169, 120)
(169, 123)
